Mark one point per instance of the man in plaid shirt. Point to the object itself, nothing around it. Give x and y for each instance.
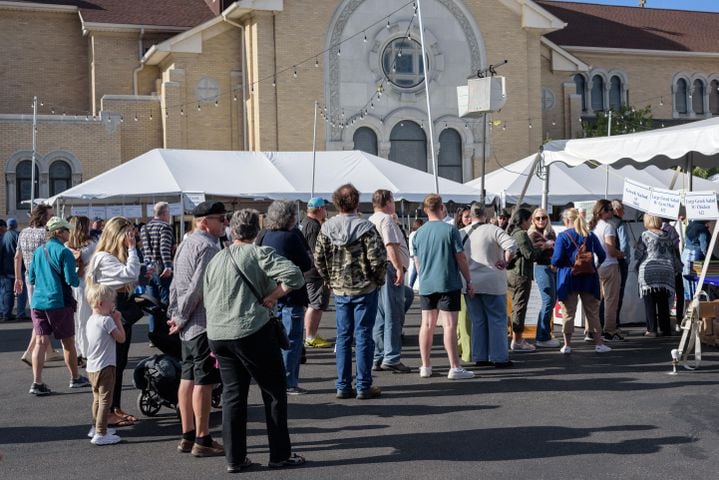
(158, 241)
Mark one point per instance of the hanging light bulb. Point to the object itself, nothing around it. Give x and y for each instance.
(661, 101)
(122, 119)
(295, 73)
(554, 124)
(274, 82)
(217, 103)
(199, 108)
(365, 38)
(387, 23)
(530, 124)
(150, 116)
(317, 63)
(135, 117)
(234, 97)
(52, 110)
(504, 127)
(339, 52)
(182, 111)
(167, 114)
(399, 54)
(371, 105)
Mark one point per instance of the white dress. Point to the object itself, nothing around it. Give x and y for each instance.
(83, 312)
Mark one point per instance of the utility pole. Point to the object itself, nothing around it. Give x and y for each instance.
(34, 147)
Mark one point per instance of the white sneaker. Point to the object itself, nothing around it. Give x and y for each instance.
(425, 372)
(107, 439)
(551, 343)
(459, 374)
(91, 433)
(566, 350)
(588, 338)
(602, 348)
(522, 346)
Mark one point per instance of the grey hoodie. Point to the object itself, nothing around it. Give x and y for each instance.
(345, 229)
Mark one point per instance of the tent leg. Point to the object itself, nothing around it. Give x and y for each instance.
(536, 161)
(182, 216)
(545, 188)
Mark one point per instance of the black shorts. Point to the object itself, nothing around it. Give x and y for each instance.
(445, 301)
(197, 363)
(319, 295)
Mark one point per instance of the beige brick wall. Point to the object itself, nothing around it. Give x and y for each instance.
(137, 136)
(43, 54)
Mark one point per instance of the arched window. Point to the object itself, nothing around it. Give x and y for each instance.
(23, 181)
(680, 96)
(60, 177)
(714, 97)
(365, 140)
(450, 155)
(597, 93)
(615, 93)
(408, 145)
(698, 97)
(581, 85)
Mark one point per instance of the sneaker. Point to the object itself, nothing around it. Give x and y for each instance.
(216, 450)
(425, 372)
(79, 382)
(612, 337)
(459, 373)
(602, 348)
(396, 367)
(522, 346)
(294, 461)
(588, 338)
(40, 389)
(345, 394)
(238, 468)
(107, 439)
(185, 445)
(373, 392)
(318, 342)
(91, 433)
(296, 391)
(551, 343)
(566, 350)
(650, 334)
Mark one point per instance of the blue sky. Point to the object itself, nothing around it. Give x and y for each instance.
(701, 5)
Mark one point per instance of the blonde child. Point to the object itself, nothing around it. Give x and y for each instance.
(104, 330)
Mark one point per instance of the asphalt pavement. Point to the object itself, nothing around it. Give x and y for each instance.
(581, 416)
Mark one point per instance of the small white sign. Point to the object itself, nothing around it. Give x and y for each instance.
(665, 203)
(701, 205)
(114, 211)
(80, 211)
(132, 211)
(636, 195)
(193, 199)
(176, 209)
(97, 212)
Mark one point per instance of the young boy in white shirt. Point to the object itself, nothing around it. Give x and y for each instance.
(104, 331)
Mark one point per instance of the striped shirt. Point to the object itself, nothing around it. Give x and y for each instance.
(157, 242)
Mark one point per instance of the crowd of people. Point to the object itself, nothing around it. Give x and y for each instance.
(247, 301)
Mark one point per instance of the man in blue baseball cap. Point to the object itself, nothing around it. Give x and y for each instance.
(8, 247)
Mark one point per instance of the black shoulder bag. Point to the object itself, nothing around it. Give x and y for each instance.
(275, 322)
(67, 297)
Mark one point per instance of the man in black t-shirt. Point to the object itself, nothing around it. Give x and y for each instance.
(318, 292)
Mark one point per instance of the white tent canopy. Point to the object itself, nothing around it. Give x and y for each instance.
(258, 175)
(580, 183)
(664, 148)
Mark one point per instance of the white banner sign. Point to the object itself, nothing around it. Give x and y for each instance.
(132, 211)
(664, 203)
(98, 212)
(636, 195)
(80, 211)
(114, 211)
(176, 209)
(701, 205)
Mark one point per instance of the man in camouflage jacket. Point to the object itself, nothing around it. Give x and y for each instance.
(351, 258)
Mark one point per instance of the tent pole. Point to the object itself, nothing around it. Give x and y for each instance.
(314, 151)
(536, 161)
(426, 87)
(606, 167)
(182, 215)
(545, 188)
(483, 168)
(690, 170)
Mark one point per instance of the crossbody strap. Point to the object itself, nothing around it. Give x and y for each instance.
(52, 265)
(474, 227)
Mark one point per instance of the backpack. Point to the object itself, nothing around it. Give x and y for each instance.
(584, 259)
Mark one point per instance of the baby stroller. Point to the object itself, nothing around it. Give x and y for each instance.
(158, 376)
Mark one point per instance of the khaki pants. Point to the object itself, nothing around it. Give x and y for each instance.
(610, 280)
(103, 383)
(590, 304)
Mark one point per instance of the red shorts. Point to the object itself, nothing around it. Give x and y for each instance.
(58, 321)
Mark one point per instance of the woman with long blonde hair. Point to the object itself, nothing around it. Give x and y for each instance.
(543, 237)
(571, 287)
(82, 246)
(117, 265)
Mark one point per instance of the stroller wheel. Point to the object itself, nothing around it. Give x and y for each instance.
(217, 396)
(148, 403)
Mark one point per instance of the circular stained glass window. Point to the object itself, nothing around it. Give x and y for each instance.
(402, 62)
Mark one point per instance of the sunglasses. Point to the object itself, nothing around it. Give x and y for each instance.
(607, 209)
(541, 218)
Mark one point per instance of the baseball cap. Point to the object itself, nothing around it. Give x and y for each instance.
(11, 222)
(56, 223)
(316, 202)
(209, 208)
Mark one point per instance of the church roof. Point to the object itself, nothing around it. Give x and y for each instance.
(167, 13)
(605, 26)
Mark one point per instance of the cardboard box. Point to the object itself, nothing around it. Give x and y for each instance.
(709, 309)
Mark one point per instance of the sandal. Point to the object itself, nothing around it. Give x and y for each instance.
(294, 461)
(123, 422)
(124, 416)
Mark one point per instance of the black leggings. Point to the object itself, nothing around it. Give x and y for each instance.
(656, 304)
(122, 352)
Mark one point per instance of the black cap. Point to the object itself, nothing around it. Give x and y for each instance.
(209, 208)
(3, 223)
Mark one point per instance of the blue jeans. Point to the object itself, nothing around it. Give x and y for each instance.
(547, 282)
(489, 327)
(7, 299)
(356, 315)
(160, 289)
(387, 331)
(293, 319)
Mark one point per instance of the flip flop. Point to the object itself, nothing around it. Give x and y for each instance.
(125, 416)
(122, 423)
